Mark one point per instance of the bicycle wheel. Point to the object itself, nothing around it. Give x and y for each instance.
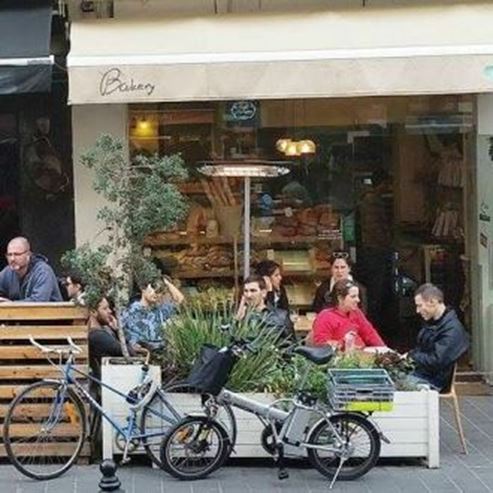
(360, 438)
(168, 406)
(194, 448)
(44, 430)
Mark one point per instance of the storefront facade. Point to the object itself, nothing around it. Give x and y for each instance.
(391, 122)
(35, 141)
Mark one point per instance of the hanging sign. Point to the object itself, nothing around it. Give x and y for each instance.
(242, 113)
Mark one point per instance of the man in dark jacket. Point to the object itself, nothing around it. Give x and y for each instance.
(28, 277)
(103, 336)
(253, 305)
(441, 341)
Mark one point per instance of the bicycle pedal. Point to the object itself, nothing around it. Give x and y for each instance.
(283, 474)
(125, 461)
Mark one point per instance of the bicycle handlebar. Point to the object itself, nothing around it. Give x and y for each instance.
(72, 349)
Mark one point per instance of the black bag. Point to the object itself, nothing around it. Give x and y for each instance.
(211, 370)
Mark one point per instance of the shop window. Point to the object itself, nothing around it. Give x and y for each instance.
(388, 178)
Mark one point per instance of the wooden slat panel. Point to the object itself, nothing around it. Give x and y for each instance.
(31, 352)
(32, 372)
(52, 449)
(10, 391)
(42, 311)
(16, 332)
(33, 411)
(28, 430)
(18, 322)
(28, 411)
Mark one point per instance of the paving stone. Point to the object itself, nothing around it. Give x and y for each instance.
(458, 473)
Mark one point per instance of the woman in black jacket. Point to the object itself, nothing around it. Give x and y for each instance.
(276, 293)
(340, 268)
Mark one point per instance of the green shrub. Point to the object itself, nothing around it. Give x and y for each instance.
(268, 370)
(199, 322)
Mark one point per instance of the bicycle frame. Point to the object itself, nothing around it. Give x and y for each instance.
(130, 431)
(272, 415)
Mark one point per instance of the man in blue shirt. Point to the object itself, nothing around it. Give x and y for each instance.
(143, 320)
(28, 277)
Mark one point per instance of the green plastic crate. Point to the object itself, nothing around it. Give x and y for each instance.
(360, 390)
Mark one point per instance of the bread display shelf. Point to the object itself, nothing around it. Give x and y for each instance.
(230, 273)
(203, 240)
(191, 274)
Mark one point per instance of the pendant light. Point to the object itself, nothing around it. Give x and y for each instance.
(282, 144)
(306, 146)
(292, 149)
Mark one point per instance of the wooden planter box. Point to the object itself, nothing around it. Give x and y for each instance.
(412, 426)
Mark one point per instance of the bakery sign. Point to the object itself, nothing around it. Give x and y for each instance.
(116, 81)
(244, 113)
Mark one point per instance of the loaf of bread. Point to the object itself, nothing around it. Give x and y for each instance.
(307, 216)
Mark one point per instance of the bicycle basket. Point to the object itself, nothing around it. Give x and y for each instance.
(360, 390)
(211, 369)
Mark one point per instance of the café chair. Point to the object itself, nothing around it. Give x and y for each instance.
(449, 392)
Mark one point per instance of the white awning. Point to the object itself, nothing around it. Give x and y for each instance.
(426, 50)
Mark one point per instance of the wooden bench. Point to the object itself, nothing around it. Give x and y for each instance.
(20, 362)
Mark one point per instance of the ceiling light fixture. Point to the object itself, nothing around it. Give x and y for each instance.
(306, 146)
(295, 148)
(282, 144)
(292, 149)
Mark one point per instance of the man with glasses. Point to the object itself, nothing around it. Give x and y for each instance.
(28, 277)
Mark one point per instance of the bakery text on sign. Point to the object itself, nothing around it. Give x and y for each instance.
(114, 80)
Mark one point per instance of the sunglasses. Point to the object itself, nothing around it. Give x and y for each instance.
(344, 255)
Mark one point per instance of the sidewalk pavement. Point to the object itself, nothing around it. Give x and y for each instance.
(457, 473)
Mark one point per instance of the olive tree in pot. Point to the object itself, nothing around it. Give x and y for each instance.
(142, 196)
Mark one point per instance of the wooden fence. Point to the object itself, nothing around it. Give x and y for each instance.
(21, 363)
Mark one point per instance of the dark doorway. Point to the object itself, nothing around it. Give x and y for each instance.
(9, 182)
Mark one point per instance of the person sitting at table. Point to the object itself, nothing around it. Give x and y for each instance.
(143, 320)
(74, 286)
(344, 319)
(276, 292)
(103, 337)
(27, 277)
(253, 306)
(340, 268)
(441, 341)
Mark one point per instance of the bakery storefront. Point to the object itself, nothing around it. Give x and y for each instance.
(378, 149)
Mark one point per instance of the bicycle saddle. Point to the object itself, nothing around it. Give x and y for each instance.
(318, 355)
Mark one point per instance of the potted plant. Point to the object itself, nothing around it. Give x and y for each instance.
(142, 196)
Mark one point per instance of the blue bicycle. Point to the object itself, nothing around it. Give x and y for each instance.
(46, 425)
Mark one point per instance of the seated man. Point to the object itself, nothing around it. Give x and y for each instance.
(75, 288)
(441, 341)
(143, 320)
(28, 277)
(103, 336)
(253, 305)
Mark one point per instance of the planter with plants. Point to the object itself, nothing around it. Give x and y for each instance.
(411, 426)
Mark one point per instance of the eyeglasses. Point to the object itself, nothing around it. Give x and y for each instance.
(344, 255)
(15, 254)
